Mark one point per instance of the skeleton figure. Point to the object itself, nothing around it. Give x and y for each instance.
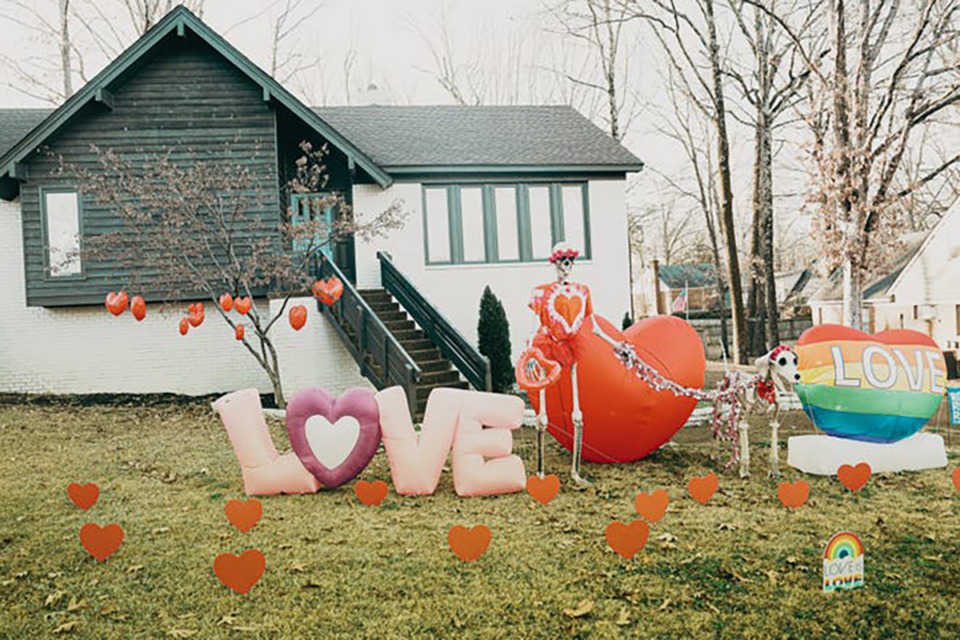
(777, 371)
(560, 308)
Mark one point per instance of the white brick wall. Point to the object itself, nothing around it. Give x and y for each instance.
(87, 350)
(456, 290)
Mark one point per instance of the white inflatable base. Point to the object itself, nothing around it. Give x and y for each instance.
(823, 455)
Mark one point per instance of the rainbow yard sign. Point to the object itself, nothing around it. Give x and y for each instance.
(843, 562)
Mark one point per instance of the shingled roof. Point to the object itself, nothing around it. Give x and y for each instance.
(443, 137)
(16, 123)
(406, 139)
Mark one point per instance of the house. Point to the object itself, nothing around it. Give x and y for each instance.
(659, 286)
(488, 191)
(919, 291)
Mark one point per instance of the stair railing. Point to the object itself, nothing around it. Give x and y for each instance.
(474, 366)
(382, 360)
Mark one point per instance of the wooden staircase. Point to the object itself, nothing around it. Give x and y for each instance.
(436, 371)
(418, 352)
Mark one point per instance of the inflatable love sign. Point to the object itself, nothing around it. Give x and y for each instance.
(265, 472)
(454, 419)
(335, 438)
(624, 419)
(880, 388)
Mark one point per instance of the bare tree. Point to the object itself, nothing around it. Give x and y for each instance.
(33, 75)
(686, 125)
(286, 61)
(891, 71)
(691, 44)
(143, 14)
(199, 231)
(495, 67)
(599, 24)
(771, 84)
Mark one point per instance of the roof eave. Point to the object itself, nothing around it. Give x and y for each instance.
(507, 168)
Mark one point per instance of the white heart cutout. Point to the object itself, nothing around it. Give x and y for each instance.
(331, 443)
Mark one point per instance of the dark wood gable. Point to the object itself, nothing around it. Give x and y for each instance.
(182, 95)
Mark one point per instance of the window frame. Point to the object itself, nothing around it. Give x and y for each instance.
(45, 234)
(490, 220)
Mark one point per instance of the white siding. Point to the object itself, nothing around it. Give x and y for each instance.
(456, 289)
(87, 350)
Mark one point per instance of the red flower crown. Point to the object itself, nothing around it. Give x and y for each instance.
(780, 349)
(569, 253)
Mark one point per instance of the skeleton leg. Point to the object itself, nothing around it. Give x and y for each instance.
(774, 447)
(577, 430)
(744, 429)
(541, 430)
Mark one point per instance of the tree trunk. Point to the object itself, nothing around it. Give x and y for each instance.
(772, 314)
(727, 225)
(66, 66)
(852, 295)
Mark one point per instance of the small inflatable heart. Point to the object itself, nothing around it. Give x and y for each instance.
(702, 488)
(651, 506)
(242, 305)
(623, 419)
(469, 544)
(240, 573)
(101, 542)
(544, 489)
(534, 371)
(793, 495)
(328, 291)
(117, 302)
(138, 308)
(880, 388)
(627, 539)
(371, 493)
(335, 438)
(243, 515)
(239, 332)
(83, 495)
(298, 317)
(854, 478)
(226, 302)
(184, 326)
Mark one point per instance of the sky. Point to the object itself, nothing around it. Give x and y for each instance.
(511, 49)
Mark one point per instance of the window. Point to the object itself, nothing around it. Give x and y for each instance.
(489, 223)
(508, 232)
(574, 222)
(61, 211)
(471, 215)
(438, 225)
(541, 222)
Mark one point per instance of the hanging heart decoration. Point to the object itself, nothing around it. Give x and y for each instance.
(116, 302)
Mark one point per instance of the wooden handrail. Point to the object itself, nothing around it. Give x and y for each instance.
(474, 366)
(371, 342)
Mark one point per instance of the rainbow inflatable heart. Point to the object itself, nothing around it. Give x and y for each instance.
(880, 388)
(624, 419)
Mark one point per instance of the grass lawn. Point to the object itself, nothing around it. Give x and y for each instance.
(742, 566)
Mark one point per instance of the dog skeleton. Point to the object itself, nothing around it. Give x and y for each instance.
(776, 371)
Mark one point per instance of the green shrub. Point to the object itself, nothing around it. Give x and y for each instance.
(493, 333)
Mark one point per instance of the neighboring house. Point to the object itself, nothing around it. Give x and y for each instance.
(488, 191)
(658, 287)
(921, 291)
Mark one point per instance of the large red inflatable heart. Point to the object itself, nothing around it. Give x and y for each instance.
(623, 419)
